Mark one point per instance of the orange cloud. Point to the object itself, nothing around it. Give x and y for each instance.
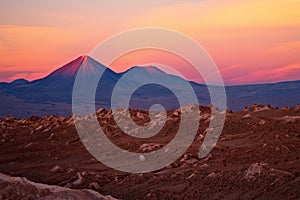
(253, 37)
(250, 35)
(232, 14)
(37, 49)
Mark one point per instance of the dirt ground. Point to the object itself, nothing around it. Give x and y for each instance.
(256, 157)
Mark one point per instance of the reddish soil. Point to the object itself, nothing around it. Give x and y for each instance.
(256, 157)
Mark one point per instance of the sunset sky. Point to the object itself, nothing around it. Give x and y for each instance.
(251, 41)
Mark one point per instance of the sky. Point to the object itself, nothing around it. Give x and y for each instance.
(251, 41)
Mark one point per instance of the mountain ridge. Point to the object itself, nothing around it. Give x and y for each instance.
(53, 93)
(79, 60)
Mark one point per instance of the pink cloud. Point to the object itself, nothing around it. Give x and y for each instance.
(284, 73)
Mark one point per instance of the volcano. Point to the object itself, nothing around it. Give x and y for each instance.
(52, 95)
(65, 76)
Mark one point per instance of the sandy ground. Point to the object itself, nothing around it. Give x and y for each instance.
(256, 157)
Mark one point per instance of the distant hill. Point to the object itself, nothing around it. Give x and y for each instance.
(52, 95)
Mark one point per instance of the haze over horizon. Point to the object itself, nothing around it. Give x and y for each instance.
(149, 67)
(251, 41)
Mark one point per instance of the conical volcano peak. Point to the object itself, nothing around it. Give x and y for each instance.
(89, 66)
(84, 58)
(84, 62)
(80, 59)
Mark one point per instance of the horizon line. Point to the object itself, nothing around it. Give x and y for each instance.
(85, 56)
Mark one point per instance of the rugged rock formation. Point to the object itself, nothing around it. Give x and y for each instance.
(257, 156)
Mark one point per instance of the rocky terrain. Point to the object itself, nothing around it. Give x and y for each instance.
(22, 188)
(256, 157)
